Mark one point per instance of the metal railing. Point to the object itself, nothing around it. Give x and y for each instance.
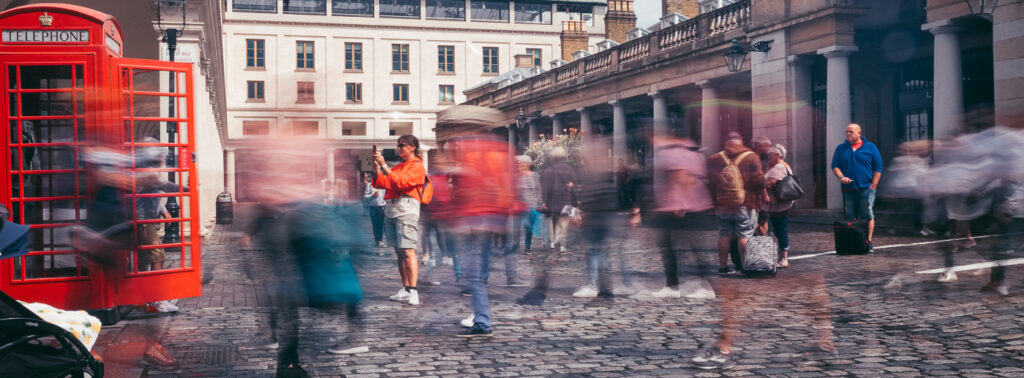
(705, 25)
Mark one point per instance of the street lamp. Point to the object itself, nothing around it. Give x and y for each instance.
(982, 8)
(171, 8)
(520, 119)
(736, 54)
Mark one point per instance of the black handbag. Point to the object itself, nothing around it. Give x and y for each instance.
(788, 189)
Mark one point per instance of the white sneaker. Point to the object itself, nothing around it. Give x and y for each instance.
(401, 296)
(585, 292)
(701, 294)
(1003, 290)
(468, 322)
(624, 290)
(414, 297)
(666, 292)
(947, 277)
(348, 349)
(561, 249)
(447, 261)
(165, 306)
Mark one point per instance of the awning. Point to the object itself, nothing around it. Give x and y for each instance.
(467, 119)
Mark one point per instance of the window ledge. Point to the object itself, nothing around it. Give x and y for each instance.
(256, 101)
(488, 74)
(352, 71)
(400, 72)
(446, 103)
(446, 73)
(399, 102)
(305, 102)
(305, 70)
(353, 102)
(247, 68)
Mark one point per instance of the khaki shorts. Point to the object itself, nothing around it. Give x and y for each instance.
(150, 234)
(403, 232)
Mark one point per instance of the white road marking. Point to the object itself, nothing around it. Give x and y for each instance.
(960, 268)
(899, 245)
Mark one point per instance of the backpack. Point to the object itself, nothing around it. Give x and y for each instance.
(730, 191)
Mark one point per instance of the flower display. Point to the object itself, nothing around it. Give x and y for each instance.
(571, 140)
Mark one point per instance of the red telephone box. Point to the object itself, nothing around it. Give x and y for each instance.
(67, 86)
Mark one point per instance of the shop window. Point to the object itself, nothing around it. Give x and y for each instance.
(353, 128)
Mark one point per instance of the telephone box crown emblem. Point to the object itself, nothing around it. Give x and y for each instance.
(46, 19)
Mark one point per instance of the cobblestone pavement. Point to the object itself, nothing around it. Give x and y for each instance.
(911, 327)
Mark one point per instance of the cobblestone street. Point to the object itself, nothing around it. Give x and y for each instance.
(913, 326)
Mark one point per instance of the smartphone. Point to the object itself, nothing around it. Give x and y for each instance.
(375, 149)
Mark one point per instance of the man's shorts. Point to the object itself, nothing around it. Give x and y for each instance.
(150, 234)
(859, 204)
(403, 232)
(739, 222)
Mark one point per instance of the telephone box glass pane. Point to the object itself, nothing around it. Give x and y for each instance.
(47, 104)
(46, 77)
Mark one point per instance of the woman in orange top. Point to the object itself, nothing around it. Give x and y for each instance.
(403, 192)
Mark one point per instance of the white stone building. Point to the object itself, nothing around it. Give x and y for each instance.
(359, 73)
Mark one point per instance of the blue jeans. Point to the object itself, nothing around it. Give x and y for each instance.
(601, 230)
(476, 250)
(859, 204)
(780, 225)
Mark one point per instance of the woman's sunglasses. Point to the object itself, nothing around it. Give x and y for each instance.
(400, 145)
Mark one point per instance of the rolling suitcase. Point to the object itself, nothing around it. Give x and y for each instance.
(851, 237)
(761, 257)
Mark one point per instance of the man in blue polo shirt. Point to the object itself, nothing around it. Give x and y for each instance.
(858, 165)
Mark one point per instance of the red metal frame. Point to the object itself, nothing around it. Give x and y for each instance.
(107, 93)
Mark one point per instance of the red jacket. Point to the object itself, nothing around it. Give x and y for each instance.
(406, 178)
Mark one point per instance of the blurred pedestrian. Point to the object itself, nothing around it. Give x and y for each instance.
(622, 184)
(776, 210)
(737, 185)
(529, 192)
(557, 184)
(406, 188)
(760, 146)
(373, 199)
(148, 208)
(858, 166)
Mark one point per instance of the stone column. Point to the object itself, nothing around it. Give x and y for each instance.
(1008, 57)
(533, 130)
(556, 125)
(948, 100)
(710, 128)
(513, 141)
(838, 112)
(619, 131)
(586, 125)
(660, 113)
(801, 118)
(229, 172)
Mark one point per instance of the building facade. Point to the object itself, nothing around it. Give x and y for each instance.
(361, 73)
(905, 70)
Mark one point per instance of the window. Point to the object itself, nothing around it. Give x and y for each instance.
(579, 12)
(354, 56)
(491, 60)
(353, 128)
(304, 55)
(446, 94)
(304, 92)
(305, 6)
(254, 53)
(446, 9)
(533, 13)
(400, 128)
(354, 92)
(536, 56)
(255, 91)
(352, 7)
(400, 58)
(400, 8)
(305, 128)
(255, 128)
(446, 59)
(484, 10)
(400, 93)
(268, 6)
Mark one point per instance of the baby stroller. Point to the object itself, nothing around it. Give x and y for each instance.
(30, 346)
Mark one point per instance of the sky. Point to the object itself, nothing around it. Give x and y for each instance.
(647, 12)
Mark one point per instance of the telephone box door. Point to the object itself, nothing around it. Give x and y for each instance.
(157, 123)
(45, 112)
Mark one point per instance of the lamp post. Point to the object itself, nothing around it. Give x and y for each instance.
(736, 54)
(172, 232)
(982, 8)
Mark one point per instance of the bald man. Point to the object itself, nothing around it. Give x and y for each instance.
(858, 166)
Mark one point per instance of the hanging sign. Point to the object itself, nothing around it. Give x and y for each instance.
(46, 36)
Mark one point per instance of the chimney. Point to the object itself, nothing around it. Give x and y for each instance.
(524, 60)
(688, 8)
(574, 38)
(619, 20)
